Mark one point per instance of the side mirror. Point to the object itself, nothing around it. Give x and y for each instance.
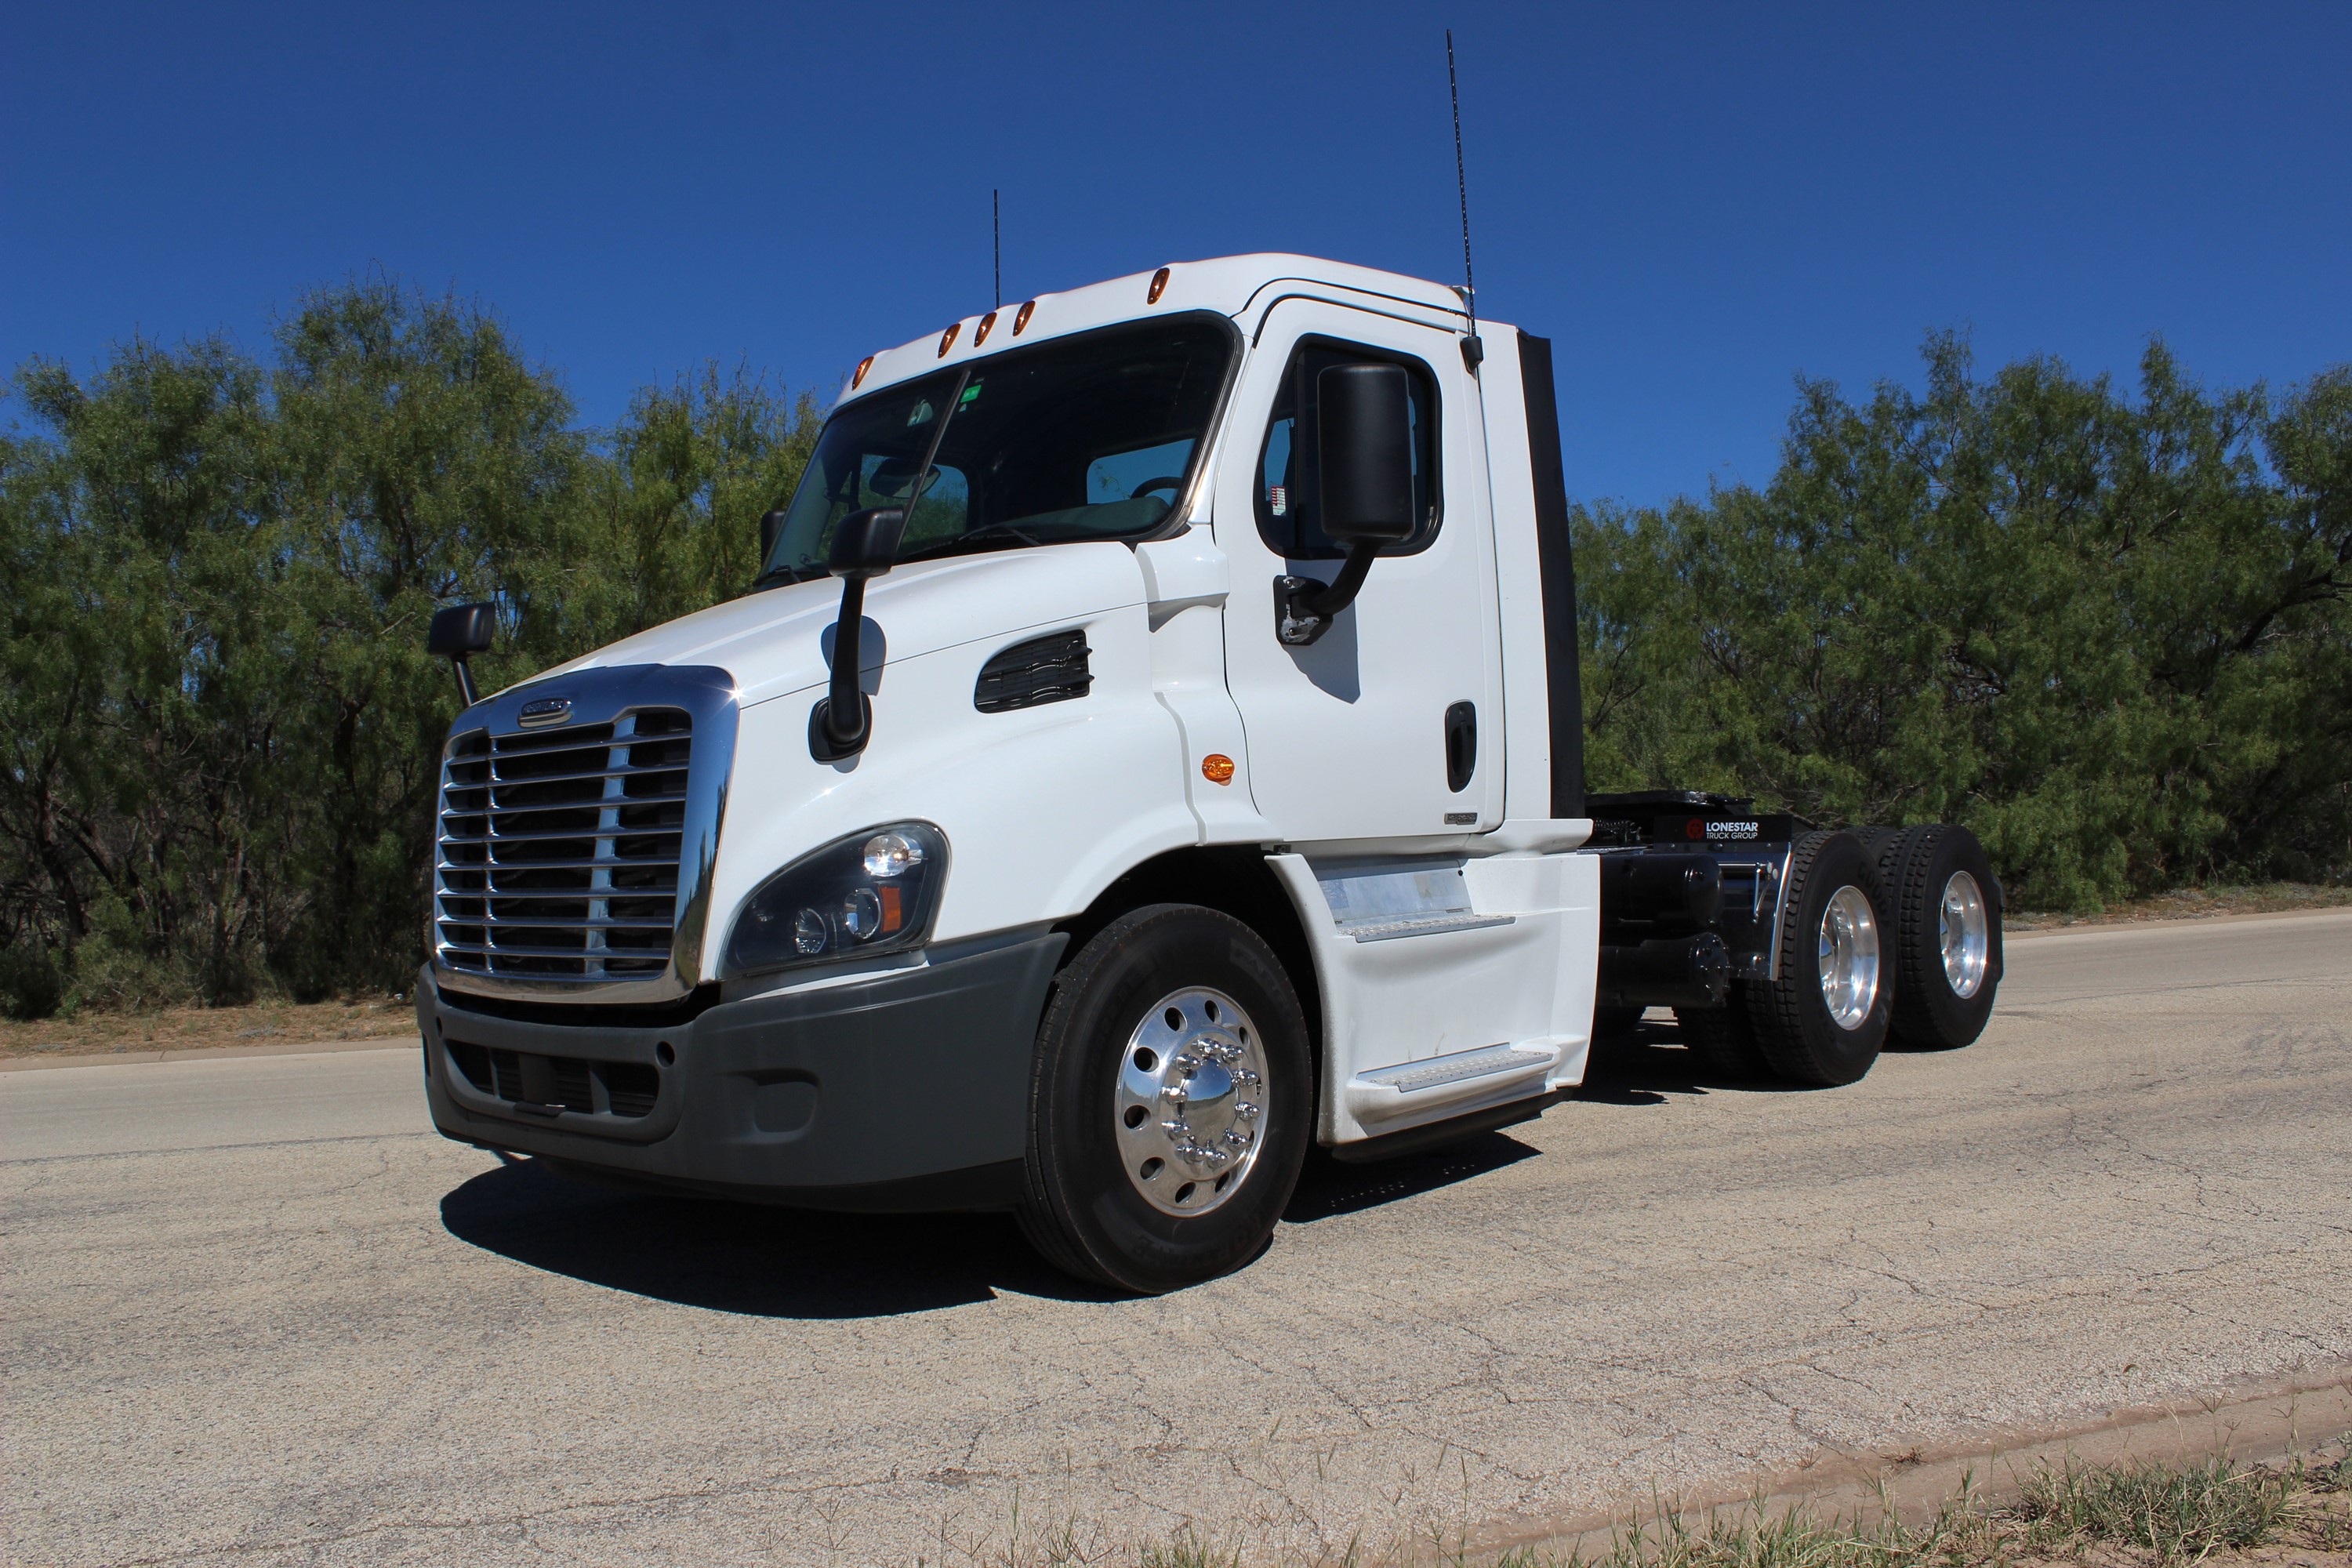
(1364, 453)
(458, 631)
(865, 545)
(1363, 456)
(771, 525)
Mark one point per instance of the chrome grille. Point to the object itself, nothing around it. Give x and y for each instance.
(560, 848)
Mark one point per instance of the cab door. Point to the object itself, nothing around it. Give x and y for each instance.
(1390, 726)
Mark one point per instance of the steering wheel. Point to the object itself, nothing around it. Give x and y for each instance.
(1174, 482)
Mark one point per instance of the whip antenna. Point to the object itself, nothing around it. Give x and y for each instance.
(996, 248)
(1473, 351)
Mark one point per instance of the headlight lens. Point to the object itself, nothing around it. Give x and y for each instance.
(871, 893)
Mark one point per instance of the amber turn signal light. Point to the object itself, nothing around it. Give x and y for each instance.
(1217, 768)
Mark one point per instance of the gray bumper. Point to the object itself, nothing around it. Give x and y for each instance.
(907, 1090)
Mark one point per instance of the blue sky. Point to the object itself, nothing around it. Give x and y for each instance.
(1697, 202)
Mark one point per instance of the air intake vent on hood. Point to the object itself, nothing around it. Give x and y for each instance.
(1043, 669)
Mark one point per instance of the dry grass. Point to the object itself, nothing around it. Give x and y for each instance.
(2217, 1514)
(188, 1028)
(2195, 903)
(2123, 1516)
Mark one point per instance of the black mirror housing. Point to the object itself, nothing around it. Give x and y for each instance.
(865, 544)
(1364, 453)
(461, 629)
(771, 525)
(458, 630)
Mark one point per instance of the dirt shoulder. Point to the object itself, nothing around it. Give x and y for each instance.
(2191, 904)
(1993, 1503)
(174, 1031)
(280, 1025)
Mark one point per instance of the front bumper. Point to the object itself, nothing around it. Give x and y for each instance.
(907, 1090)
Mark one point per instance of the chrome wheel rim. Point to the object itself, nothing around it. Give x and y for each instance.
(1191, 1100)
(1964, 932)
(1848, 957)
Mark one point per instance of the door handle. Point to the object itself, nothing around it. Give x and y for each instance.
(1461, 745)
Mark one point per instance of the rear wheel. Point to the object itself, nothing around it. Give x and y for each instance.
(1172, 1102)
(1824, 1018)
(1946, 938)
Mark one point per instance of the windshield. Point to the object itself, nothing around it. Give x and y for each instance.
(1084, 437)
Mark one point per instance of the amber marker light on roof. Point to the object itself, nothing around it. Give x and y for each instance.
(1021, 317)
(1217, 768)
(1159, 286)
(863, 365)
(948, 338)
(979, 334)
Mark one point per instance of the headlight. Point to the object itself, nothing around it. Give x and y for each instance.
(871, 893)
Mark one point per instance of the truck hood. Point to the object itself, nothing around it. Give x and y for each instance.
(774, 642)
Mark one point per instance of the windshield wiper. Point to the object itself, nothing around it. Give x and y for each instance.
(955, 546)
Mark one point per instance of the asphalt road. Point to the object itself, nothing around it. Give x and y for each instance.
(258, 1312)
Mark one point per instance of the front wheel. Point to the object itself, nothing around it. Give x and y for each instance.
(1171, 1102)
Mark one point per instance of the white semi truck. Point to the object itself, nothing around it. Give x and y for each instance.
(1151, 749)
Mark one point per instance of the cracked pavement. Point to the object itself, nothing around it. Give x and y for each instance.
(257, 1312)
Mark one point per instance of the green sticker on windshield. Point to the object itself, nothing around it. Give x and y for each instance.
(969, 393)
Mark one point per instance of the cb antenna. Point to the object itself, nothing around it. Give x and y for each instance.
(1473, 351)
(996, 248)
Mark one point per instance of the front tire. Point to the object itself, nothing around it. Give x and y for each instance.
(1172, 1101)
(1824, 1019)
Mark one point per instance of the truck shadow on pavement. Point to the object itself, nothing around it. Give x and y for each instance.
(1648, 1062)
(748, 1259)
(772, 1262)
(1328, 1187)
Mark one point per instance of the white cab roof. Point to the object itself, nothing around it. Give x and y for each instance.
(1229, 285)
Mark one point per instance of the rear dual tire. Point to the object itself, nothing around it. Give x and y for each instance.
(1824, 1020)
(1941, 907)
(1824, 1016)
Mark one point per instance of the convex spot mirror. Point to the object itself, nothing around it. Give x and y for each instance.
(461, 630)
(865, 544)
(1363, 453)
(458, 631)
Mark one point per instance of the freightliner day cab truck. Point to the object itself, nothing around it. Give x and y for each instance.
(1151, 749)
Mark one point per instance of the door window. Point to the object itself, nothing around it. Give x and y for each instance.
(1289, 515)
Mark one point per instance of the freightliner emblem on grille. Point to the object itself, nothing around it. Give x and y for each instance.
(545, 710)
